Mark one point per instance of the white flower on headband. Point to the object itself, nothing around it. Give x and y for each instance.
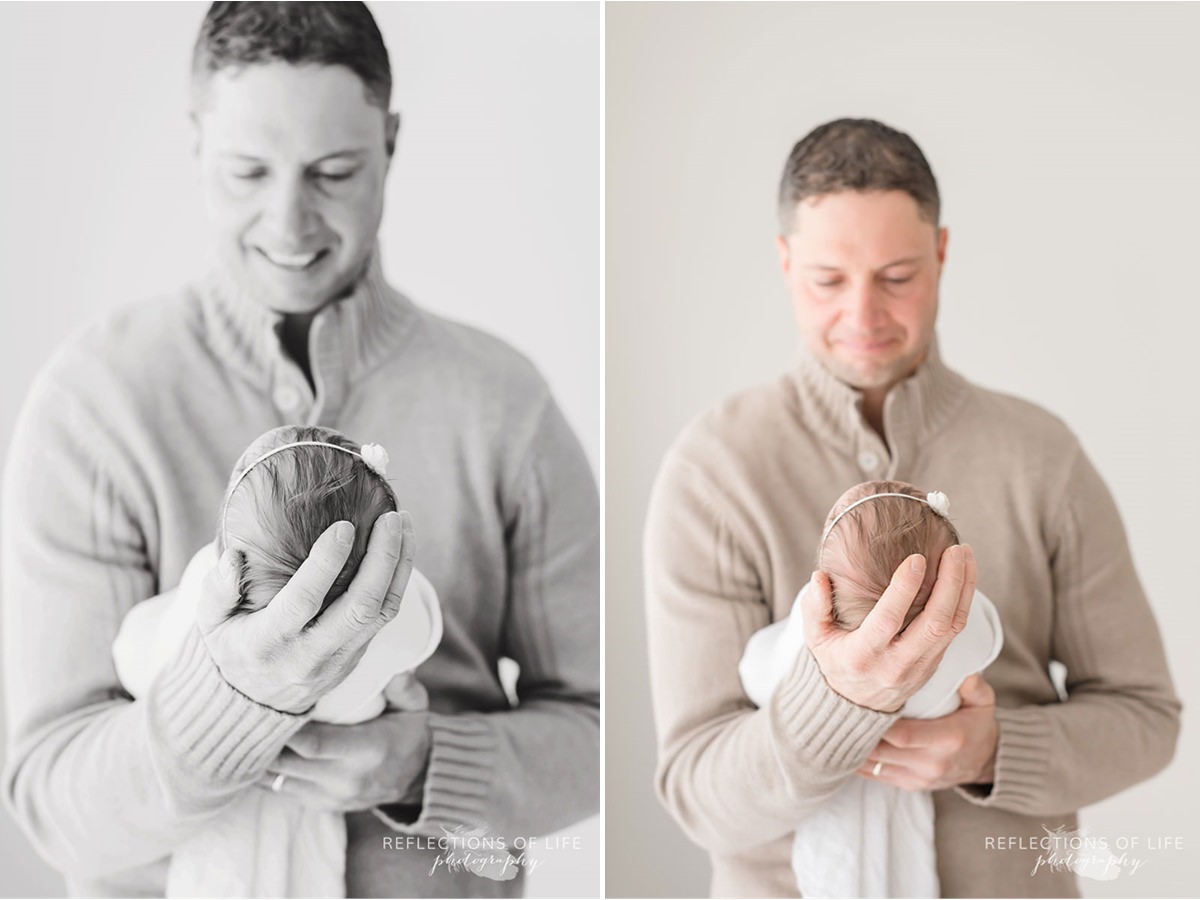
(375, 457)
(939, 502)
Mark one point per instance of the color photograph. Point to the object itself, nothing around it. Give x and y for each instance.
(902, 402)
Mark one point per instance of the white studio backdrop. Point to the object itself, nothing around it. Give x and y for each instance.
(1064, 140)
(492, 214)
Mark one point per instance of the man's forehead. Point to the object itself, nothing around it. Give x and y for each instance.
(276, 104)
(873, 228)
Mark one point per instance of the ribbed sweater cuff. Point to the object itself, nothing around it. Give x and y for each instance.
(213, 734)
(814, 723)
(1022, 761)
(458, 782)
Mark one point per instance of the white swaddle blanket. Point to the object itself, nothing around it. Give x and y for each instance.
(871, 839)
(267, 844)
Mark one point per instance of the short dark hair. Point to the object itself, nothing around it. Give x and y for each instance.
(856, 155)
(235, 35)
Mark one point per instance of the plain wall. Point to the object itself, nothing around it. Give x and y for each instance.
(492, 214)
(1064, 138)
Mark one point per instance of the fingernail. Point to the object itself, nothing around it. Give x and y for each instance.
(968, 553)
(392, 522)
(917, 563)
(344, 532)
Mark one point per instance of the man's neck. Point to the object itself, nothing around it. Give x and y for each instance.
(873, 398)
(296, 327)
(872, 409)
(293, 334)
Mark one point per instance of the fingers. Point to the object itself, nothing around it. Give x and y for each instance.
(408, 552)
(219, 596)
(895, 775)
(970, 576)
(937, 624)
(300, 599)
(886, 619)
(307, 792)
(354, 618)
(975, 691)
(317, 740)
(295, 766)
(816, 609)
(405, 692)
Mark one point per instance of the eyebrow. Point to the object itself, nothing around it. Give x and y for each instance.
(895, 262)
(353, 153)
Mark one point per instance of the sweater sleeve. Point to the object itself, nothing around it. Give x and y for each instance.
(1049, 759)
(732, 776)
(534, 769)
(98, 782)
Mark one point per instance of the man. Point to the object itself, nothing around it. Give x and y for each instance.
(736, 514)
(116, 474)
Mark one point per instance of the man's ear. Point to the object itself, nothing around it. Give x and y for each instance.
(785, 253)
(391, 128)
(195, 120)
(942, 240)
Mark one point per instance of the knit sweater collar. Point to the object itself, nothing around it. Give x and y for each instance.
(360, 329)
(914, 411)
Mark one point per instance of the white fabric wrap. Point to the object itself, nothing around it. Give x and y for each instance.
(871, 839)
(267, 844)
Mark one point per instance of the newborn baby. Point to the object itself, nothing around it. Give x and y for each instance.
(872, 528)
(871, 839)
(287, 488)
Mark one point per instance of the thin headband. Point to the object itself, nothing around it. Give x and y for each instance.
(373, 455)
(935, 500)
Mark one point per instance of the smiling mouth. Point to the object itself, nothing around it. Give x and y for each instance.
(868, 347)
(293, 262)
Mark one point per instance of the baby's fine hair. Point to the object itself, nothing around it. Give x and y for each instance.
(867, 545)
(276, 513)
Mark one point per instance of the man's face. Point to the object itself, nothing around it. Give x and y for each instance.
(293, 161)
(863, 271)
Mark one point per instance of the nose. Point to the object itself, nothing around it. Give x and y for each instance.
(864, 306)
(290, 213)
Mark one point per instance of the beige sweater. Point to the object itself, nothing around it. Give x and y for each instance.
(734, 519)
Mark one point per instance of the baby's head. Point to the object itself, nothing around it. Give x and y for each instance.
(276, 507)
(865, 542)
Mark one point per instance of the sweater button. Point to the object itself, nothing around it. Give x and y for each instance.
(287, 398)
(868, 461)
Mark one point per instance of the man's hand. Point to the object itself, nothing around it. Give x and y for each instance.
(279, 656)
(350, 767)
(873, 667)
(931, 754)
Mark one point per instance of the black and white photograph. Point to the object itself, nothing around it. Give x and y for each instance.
(301, 440)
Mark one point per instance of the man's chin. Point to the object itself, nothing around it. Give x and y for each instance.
(869, 378)
(292, 299)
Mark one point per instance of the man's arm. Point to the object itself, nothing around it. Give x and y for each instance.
(536, 768)
(732, 776)
(98, 783)
(1121, 721)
